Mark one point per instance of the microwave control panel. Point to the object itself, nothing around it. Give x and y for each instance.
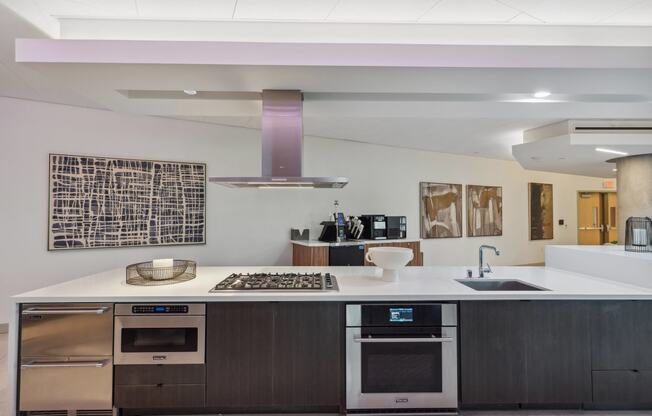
(154, 309)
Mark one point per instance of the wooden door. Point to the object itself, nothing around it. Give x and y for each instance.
(611, 217)
(589, 214)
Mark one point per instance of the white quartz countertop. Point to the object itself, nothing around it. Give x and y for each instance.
(355, 284)
(609, 261)
(317, 243)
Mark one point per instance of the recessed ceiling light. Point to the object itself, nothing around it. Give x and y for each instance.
(541, 94)
(190, 92)
(615, 152)
(615, 170)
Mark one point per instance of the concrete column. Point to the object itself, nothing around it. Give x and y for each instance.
(634, 190)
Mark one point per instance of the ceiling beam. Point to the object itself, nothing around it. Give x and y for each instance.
(330, 55)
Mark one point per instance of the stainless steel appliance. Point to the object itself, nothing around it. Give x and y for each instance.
(282, 147)
(396, 227)
(374, 227)
(169, 333)
(401, 357)
(277, 281)
(66, 357)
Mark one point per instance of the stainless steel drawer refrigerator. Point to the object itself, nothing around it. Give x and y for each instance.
(66, 361)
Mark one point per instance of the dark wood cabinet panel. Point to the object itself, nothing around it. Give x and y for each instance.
(624, 388)
(280, 355)
(520, 352)
(307, 354)
(159, 374)
(160, 396)
(239, 354)
(621, 335)
(492, 352)
(557, 344)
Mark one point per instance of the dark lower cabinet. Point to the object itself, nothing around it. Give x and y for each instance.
(276, 356)
(307, 354)
(622, 388)
(173, 396)
(622, 335)
(160, 374)
(558, 345)
(621, 354)
(525, 353)
(492, 357)
(159, 386)
(239, 354)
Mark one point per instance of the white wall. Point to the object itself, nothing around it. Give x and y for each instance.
(245, 227)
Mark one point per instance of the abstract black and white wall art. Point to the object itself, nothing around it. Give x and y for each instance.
(98, 202)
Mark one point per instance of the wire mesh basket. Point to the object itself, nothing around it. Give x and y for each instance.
(638, 234)
(146, 274)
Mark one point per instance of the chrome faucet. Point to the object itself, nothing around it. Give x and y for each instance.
(481, 269)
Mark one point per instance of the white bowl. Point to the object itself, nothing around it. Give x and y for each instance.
(390, 259)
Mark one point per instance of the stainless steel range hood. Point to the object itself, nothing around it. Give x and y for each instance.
(282, 139)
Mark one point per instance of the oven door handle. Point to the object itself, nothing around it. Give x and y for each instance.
(415, 339)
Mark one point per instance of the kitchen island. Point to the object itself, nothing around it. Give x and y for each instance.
(559, 347)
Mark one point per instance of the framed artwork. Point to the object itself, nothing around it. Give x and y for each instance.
(97, 202)
(484, 210)
(540, 211)
(441, 210)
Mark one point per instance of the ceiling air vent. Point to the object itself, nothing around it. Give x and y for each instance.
(610, 126)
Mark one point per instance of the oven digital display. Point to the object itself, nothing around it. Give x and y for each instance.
(401, 315)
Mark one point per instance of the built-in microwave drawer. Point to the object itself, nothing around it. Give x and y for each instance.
(159, 339)
(160, 396)
(83, 383)
(66, 330)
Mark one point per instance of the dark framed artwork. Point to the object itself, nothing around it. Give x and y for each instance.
(99, 202)
(540, 211)
(484, 210)
(441, 210)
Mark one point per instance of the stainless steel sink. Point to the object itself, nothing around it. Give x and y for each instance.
(499, 285)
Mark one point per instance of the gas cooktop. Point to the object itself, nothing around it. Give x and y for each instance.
(278, 281)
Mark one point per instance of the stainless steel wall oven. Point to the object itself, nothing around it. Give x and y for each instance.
(401, 357)
(159, 334)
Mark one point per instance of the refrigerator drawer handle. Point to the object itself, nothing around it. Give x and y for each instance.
(65, 311)
(58, 364)
(363, 340)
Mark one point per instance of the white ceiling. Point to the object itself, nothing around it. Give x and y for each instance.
(22, 82)
(580, 12)
(472, 111)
